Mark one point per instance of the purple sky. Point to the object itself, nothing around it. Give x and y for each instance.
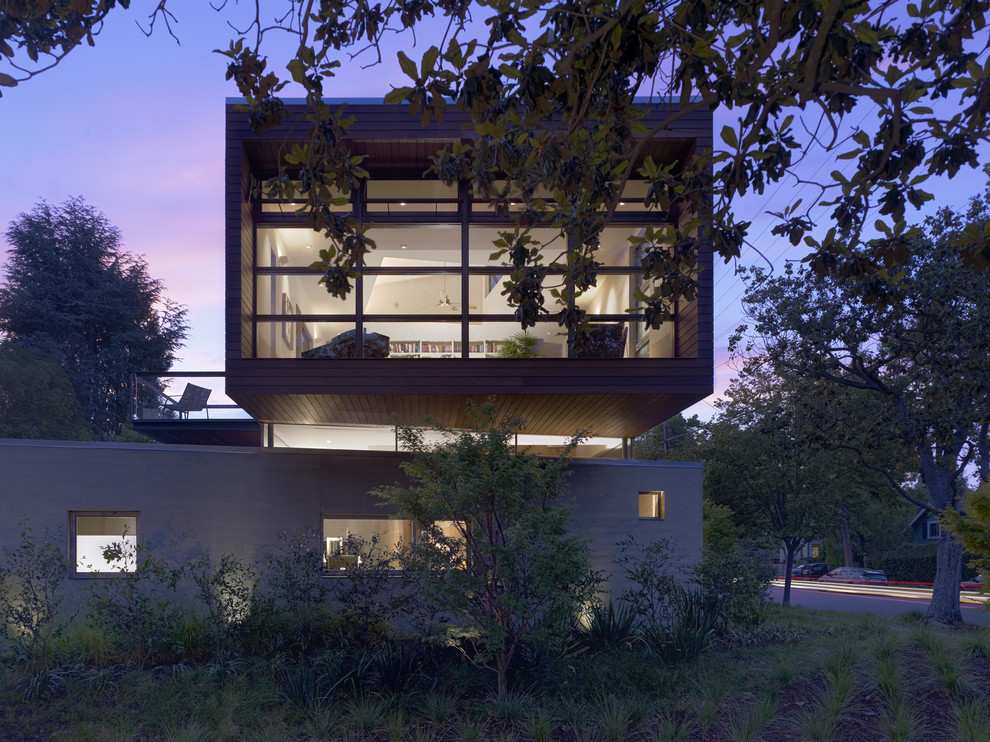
(135, 125)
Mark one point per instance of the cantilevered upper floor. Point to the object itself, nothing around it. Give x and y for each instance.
(427, 326)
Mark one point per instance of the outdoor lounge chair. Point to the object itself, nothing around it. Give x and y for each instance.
(193, 399)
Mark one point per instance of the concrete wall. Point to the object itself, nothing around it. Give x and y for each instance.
(237, 500)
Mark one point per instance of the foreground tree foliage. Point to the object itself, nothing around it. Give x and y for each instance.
(921, 359)
(552, 90)
(45, 31)
(973, 528)
(900, 89)
(72, 294)
(494, 552)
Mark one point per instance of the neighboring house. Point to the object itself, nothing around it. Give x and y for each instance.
(925, 527)
(418, 336)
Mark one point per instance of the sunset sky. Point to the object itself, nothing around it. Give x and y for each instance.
(135, 126)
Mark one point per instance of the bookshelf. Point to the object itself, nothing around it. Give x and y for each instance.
(442, 348)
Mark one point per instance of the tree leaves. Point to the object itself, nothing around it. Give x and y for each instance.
(74, 295)
(554, 91)
(920, 355)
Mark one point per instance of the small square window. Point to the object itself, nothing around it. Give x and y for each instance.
(103, 543)
(651, 504)
(933, 529)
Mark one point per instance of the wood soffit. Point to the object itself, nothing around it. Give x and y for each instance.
(609, 415)
(397, 145)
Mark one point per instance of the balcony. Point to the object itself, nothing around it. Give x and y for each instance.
(190, 408)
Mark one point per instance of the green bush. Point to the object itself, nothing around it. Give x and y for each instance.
(31, 580)
(916, 563)
(910, 563)
(225, 590)
(134, 609)
(295, 575)
(973, 529)
(738, 583)
(606, 626)
(691, 628)
(649, 569)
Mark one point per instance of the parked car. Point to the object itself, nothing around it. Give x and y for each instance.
(810, 571)
(976, 583)
(855, 575)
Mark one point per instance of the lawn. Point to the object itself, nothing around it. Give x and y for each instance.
(803, 675)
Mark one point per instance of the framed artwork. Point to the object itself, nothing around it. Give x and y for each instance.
(304, 341)
(288, 328)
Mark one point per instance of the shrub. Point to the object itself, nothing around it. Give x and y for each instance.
(495, 552)
(910, 563)
(690, 628)
(225, 590)
(607, 627)
(737, 583)
(973, 529)
(368, 597)
(295, 575)
(291, 604)
(31, 580)
(133, 607)
(648, 568)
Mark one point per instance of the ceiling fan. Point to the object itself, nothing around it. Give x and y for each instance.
(445, 301)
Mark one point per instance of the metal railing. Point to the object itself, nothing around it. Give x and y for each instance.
(156, 396)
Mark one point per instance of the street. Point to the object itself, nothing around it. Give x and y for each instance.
(880, 605)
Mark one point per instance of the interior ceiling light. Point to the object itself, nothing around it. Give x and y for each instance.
(309, 247)
(402, 203)
(403, 246)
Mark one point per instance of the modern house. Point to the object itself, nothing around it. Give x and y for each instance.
(326, 380)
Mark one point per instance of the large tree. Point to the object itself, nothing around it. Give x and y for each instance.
(922, 356)
(763, 461)
(73, 294)
(672, 440)
(898, 88)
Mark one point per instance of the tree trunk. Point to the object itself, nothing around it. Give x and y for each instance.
(944, 608)
(983, 449)
(847, 545)
(501, 668)
(789, 548)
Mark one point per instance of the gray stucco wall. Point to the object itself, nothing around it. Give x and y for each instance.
(237, 500)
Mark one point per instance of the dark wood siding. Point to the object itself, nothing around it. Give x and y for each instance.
(239, 241)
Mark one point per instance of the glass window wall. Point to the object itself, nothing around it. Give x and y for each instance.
(416, 276)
